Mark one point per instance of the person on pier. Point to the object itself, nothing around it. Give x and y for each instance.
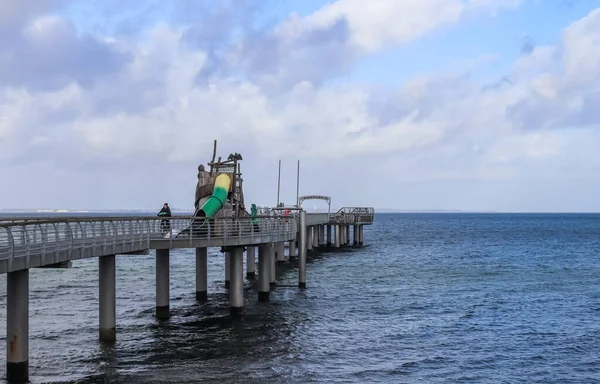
(165, 225)
(254, 214)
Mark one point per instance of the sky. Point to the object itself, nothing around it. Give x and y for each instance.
(473, 105)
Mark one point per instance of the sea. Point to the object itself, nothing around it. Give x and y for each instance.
(430, 298)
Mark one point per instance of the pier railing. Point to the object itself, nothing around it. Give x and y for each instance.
(46, 241)
(353, 215)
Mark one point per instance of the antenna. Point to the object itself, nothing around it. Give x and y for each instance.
(298, 186)
(278, 183)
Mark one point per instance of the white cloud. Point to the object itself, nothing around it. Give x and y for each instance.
(158, 108)
(374, 25)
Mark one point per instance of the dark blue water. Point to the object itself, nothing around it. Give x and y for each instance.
(449, 298)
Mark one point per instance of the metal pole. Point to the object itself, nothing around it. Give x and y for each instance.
(298, 186)
(302, 251)
(278, 183)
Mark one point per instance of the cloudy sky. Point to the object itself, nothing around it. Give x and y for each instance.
(408, 104)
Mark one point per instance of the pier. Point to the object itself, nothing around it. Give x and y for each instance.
(44, 242)
(220, 220)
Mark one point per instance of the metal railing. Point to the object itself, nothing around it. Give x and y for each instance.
(49, 239)
(353, 215)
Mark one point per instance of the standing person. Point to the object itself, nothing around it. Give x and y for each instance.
(165, 225)
(254, 213)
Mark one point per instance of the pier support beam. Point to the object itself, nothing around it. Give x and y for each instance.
(309, 240)
(227, 268)
(337, 236)
(292, 247)
(280, 251)
(272, 267)
(201, 274)
(360, 235)
(236, 290)
(355, 237)
(302, 252)
(315, 236)
(162, 284)
(250, 262)
(107, 294)
(328, 235)
(17, 326)
(264, 274)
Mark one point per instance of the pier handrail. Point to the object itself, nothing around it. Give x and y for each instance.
(48, 237)
(353, 215)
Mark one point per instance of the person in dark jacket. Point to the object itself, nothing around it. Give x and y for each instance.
(165, 225)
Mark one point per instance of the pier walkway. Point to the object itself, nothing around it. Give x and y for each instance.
(33, 242)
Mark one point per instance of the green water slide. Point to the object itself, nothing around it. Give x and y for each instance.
(217, 200)
(211, 207)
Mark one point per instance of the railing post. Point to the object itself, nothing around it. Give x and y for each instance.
(93, 234)
(191, 234)
(44, 234)
(70, 234)
(148, 233)
(11, 243)
(57, 242)
(209, 229)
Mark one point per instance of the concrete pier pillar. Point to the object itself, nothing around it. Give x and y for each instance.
(317, 236)
(17, 326)
(360, 235)
(292, 248)
(342, 236)
(107, 295)
(302, 252)
(337, 236)
(227, 269)
(321, 235)
(202, 274)
(272, 267)
(264, 274)
(347, 234)
(308, 239)
(250, 262)
(162, 284)
(328, 235)
(236, 290)
(355, 237)
(280, 251)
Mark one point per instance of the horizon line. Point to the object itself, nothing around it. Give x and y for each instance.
(377, 210)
